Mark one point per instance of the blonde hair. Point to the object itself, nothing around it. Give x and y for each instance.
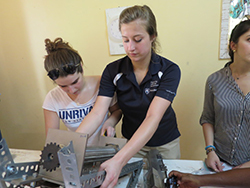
(145, 14)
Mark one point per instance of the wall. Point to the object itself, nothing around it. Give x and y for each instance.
(189, 33)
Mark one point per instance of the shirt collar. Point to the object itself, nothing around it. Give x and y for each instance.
(155, 64)
(228, 71)
(227, 68)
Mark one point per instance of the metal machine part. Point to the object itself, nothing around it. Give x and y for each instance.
(88, 158)
(92, 179)
(171, 182)
(95, 154)
(79, 165)
(49, 159)
(156, 170)
(156, 175)
(71, 159)
(5, 158)
(69, 169)
(96, 179)
(135, 168)
(15, 173)
(63, 138)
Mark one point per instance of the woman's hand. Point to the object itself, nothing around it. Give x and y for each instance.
(213, 162)
(110, 123)
(108, 129)
(113, 169)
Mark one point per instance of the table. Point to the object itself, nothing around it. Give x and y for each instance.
(186, 166)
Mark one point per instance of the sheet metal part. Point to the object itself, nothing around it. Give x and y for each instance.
(156, 170)
(10, 170)
(16, 173)
(96, 179)
(6, 157)
(93, 179)
(99, 154)
(69, 169)
(63, 138)
(135, 169)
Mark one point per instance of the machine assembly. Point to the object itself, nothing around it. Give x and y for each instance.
(66, 161)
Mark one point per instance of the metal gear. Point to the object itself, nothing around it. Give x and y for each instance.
(49, 158)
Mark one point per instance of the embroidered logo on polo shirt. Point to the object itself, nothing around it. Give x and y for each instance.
(147, 90)
(153, 87)
(154, 83)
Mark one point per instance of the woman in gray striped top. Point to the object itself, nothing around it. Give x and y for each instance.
(226, 113)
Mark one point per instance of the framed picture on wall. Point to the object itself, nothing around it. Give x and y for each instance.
(114, 35)
(233, 11)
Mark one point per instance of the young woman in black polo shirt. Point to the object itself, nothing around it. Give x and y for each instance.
(145, 84)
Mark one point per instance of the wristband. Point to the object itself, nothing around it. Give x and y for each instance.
(210, 146)
(209, 150)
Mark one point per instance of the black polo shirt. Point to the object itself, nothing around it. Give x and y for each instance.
(161, 80)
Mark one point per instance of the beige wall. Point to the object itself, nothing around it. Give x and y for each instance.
(189, 32)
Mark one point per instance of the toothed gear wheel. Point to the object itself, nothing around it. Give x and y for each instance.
(49, 158)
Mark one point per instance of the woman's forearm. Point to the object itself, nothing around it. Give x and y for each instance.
(146, 130)
(90, 123)
(208, 131)
(138, 140)
(114, 118)
(94, 119)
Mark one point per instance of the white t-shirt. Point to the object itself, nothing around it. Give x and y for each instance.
(70, 112)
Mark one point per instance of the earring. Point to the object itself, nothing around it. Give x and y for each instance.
(234, 51)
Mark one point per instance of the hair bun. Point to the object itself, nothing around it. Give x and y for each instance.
(53, 46)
